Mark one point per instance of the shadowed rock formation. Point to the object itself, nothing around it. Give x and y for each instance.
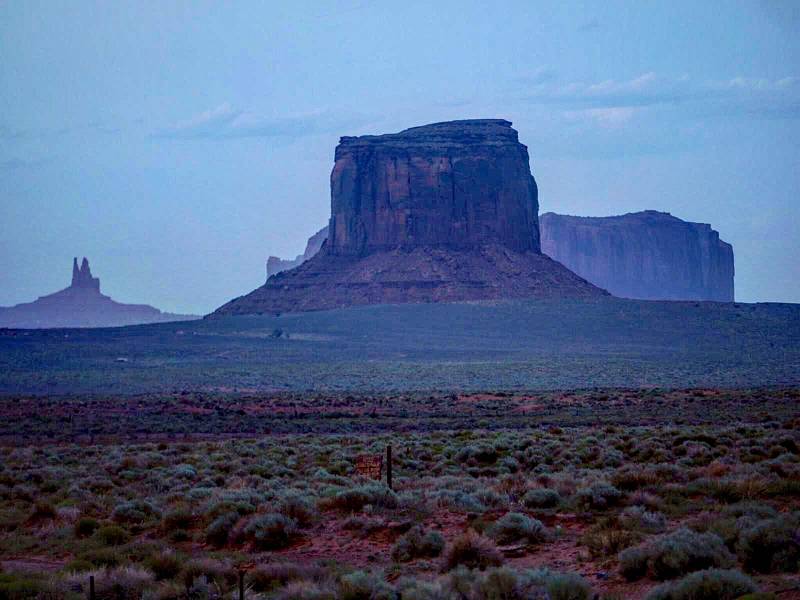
(647, 255)
(81, 305)
(276, 265)
(82, 277)
(442, 212)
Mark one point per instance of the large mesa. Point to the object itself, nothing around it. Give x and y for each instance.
(457, 185)
(438, 213)
(647, 255)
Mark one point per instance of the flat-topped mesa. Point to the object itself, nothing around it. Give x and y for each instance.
(456, 185)
(648, 255)
(82, 277)
(441, 213)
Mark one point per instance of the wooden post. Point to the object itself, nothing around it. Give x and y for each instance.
(389, 466)
(91, 587)
(241, 585)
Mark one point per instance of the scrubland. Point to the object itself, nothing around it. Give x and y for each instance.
(682, 494)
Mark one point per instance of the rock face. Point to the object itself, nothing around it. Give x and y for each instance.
(458, 185)
(81, 305)
(276, 265)
(82, 277)
(647, 255)
(442, 212)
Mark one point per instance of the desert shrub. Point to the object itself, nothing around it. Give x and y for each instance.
(418, 543)
(637, 517)
(213, 571)
(678, 553)
(458, 500)
(478, 455)
(134, 511)
(123, 583)
(505, 583)
(362, 585)
(178, 518)
(271, 531)
(363, 525)
(472, 550)
(298, 508)
(185, 471)
(103, 557)
(358, 497)
(219, 529)
(267, 577)
(711, 584)
(754, 510)
(541, 498)
(771, 545)
(164, 565)
(633, 562)
(19, 586)
(598, 496)
(513, 527)
(607, 538)
(86, 526)
(562, 586)
(305, 590)
(112, 535)
(43, 511)
(179, 535)
(77, 565)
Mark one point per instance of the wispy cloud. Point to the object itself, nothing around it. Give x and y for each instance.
(539, 76)
(9, 133)
(225, 122)
(15, 163)
(752, 96)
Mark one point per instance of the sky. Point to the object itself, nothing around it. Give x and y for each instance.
(179, 144)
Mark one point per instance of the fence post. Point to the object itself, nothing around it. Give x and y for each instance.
(91, 587)
(389, 466)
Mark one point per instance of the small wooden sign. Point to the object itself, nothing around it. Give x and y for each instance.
(370, 465)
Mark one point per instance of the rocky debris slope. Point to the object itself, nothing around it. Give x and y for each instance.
(442, 212)
(81, 305)
(647, 255)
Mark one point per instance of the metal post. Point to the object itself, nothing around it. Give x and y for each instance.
(241, 585)
(389, 466)
(91, 587)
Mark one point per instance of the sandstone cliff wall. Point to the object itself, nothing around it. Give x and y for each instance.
(454, 185)
(648, 255)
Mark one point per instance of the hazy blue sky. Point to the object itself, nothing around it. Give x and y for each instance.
(177, 145)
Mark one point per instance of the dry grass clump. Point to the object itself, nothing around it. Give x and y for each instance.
(472, 550)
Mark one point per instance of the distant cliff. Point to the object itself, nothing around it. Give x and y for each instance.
(648, 255)
(81, 305)
(276, 265)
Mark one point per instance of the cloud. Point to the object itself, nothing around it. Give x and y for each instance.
(46, 133)
(542, 75)
(736, 97)
(225, 122)
(15, 163)
(610, 118)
